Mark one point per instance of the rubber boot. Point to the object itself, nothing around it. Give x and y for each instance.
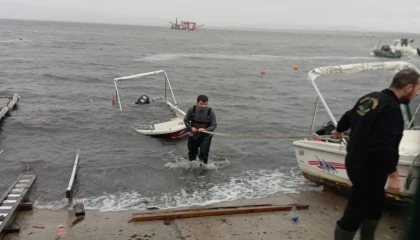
(340, 234)
(367, 231)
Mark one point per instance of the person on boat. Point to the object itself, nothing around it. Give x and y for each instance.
(377, 126)
(200, 118)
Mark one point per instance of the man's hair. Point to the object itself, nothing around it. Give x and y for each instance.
(202, 98)
(404, 78)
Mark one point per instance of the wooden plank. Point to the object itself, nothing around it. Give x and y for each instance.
(73, 176)
(212, 212)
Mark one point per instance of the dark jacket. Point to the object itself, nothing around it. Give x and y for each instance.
(377, 126)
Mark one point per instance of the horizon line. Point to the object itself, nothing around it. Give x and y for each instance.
(231, 27)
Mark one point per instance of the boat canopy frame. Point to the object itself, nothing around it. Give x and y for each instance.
(142, 75)
(394, 66)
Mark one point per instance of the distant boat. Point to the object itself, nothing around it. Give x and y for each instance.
(185, 25)
(386, 52)
(404, 45)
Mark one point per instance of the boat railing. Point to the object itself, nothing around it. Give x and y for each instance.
(327, 138)
(141, 75)
(410, 124)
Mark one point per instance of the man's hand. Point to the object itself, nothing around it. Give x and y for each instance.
(194, 130)
(337, 134)
(201, 130)
(394, 182)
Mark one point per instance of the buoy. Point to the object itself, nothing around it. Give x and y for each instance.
(20, 39)
(295, 67)
(262, 72)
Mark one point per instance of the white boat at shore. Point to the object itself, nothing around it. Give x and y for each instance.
(321, 160)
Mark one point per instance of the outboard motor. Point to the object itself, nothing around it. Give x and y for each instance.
(326, 129)
(144, 99)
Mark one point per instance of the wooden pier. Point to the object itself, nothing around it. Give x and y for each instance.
(7, 104)
(14, 199)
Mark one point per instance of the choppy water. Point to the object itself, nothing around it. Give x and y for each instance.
(64, 74)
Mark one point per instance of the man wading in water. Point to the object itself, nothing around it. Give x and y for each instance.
(200, 118)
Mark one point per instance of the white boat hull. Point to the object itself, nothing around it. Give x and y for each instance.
(324, 163)
(175, 128)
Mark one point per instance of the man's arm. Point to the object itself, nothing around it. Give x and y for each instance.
(187, 119)
(345, 122)
(213, 122)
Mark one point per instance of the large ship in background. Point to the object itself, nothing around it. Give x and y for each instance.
(185, 25)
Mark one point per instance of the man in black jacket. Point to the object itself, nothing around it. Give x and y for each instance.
(200, 118)
(377, 126)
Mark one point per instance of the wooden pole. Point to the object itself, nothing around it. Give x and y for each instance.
(137, 217)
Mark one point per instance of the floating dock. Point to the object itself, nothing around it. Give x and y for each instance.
(8, 103)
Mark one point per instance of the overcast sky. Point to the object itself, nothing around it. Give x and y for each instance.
(375, 15)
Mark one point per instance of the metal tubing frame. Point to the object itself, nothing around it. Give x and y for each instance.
(325, 105)
(313, 118)
(167, 82)
(410, 124)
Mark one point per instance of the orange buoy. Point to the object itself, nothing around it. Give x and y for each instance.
(295, 67)
(262, 72)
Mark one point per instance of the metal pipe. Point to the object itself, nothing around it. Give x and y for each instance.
(167, 79)
(411, 125)
(325, 105)
(313, 119)
(118, 95)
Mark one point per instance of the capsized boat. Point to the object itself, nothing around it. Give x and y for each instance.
(175, 127)
(321, 160)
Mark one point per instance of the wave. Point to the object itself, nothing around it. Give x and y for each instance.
(72, 78)
(248, 184)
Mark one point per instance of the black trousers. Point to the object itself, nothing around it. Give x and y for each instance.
(201, 143)
(367, 198)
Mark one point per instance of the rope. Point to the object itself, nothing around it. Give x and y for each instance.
(262, 137)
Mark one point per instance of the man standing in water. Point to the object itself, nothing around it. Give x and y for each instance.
(200, 118)
(377, 126)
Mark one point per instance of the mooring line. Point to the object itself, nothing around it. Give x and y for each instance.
(264, 137)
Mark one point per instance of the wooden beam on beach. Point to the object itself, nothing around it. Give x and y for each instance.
(162, 215)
